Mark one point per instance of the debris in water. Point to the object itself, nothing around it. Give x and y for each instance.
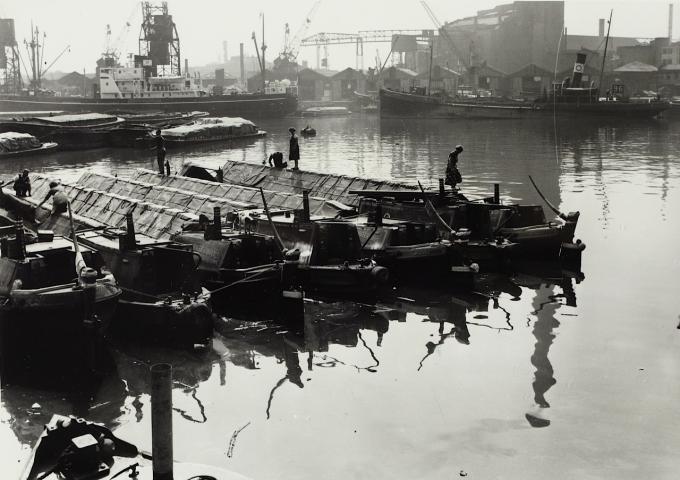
(463, 473)
(232, 441)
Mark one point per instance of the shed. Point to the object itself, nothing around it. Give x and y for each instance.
(346, 82)
(530, 81)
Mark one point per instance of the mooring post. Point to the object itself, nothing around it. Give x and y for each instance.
(305, 205)
(217, 223)
(442, 191)
(161, 421)
(496, 193)
(21, 248)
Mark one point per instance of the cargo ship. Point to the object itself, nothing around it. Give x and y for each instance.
(152, 82)
(570, 99)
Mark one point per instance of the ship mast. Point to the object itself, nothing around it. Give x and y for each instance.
(604, 57)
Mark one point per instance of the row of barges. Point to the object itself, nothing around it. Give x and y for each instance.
(183, 249)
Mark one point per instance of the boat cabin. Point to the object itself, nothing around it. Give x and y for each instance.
(130, 82)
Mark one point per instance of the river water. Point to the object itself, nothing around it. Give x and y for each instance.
(536, 375)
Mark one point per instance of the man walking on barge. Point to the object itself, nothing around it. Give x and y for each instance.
(453, 176)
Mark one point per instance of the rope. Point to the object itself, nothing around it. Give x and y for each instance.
(243, 280)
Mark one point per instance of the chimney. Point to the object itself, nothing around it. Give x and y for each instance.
(670, 24)
(225, 52)
(186, 67)
(601, 28)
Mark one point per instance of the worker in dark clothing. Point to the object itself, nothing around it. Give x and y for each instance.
(277, 157)
(453, 176)
(294, 152)
(22, 185)
(59, 200)
(160, 153)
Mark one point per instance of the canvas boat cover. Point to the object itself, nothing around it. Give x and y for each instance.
(324, 185)
(79, 118)
(212, 126)
(161, 205)
(14, 142)
(242, 197)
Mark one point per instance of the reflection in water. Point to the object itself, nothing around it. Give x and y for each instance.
(546, 303)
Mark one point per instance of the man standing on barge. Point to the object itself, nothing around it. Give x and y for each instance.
(160, 152)
(294, 151)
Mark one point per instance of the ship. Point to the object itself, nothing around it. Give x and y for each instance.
(153, 81)
(569, 99)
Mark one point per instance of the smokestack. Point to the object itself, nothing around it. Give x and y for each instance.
(225, 52)
(243, 70)
(601, 27)
(670, 24)
(186, 68)
(578, 70)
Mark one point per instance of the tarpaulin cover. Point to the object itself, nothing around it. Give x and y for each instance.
(329, 186)
(13, 142)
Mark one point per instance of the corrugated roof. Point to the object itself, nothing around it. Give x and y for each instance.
(637, 67)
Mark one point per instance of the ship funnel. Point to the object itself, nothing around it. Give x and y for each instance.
(579, 66)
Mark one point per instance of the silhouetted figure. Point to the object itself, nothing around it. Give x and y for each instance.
(277, 158)
(160, 152)
(294, 150)
(453, 176)
(59, 200)
(22, 185)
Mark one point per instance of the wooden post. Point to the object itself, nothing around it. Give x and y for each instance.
(161, 421)
(217, 223)
(496, 193)
(442, 190)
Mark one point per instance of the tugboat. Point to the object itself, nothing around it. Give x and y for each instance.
(162, 302)
(57, 303)
(308, 131)
(329, 251)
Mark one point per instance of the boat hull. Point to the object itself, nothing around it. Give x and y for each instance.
(246, 106)
(49, 334)
(399, 104)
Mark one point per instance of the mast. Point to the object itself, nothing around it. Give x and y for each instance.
(604, 57)
(429, 75)
(264, 65)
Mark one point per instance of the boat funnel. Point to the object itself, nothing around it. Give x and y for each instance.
(217, 224)
(305, 206)
(579, 66)
(20, 242)
(128, 240)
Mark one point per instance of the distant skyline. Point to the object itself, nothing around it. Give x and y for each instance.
(204, 24)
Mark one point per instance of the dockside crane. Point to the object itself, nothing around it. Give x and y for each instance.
(444, 33)
(291, 48)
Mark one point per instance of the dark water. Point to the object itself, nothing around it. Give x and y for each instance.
(535, 376)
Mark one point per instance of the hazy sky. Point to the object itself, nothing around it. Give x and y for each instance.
(204, 24)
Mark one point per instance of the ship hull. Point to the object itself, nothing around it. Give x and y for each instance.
(247, 106)
(399, 104)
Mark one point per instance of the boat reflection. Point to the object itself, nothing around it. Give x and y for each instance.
(546, 303)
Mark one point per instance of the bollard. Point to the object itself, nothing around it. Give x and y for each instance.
(217, 224)
(442, 190)
(305, 205)
(496, 193)
(20, 244)
(161, 421)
